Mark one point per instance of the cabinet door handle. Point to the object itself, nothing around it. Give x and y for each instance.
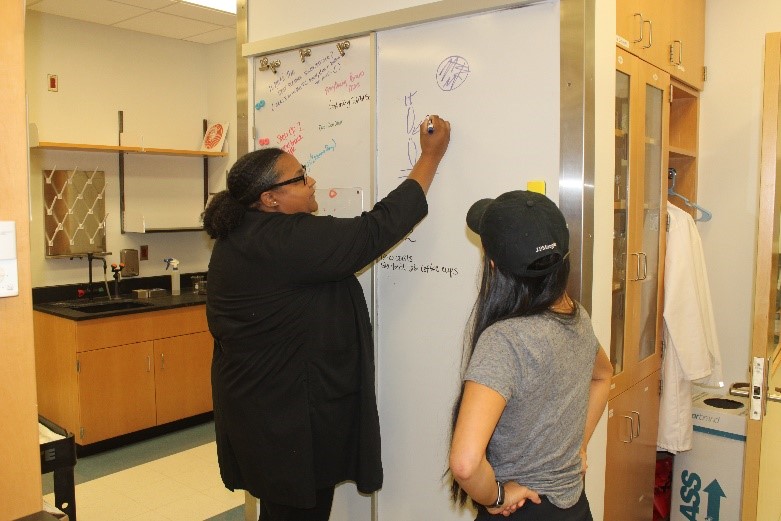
(148, 364)
(641, 27)
(162, 360)
(680, 52)
(650, 34)
(638, 425)
(631, 429)
(643, 264)
(637, 267)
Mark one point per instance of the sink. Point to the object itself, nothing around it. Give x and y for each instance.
(101, 307)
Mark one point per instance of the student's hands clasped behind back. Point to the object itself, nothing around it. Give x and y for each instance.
(515, 495)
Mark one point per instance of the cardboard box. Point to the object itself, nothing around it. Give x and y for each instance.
(708, 480)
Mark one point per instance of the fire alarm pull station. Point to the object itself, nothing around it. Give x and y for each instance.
(9, 275)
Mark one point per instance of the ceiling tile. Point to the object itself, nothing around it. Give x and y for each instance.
(166, 25)
(226, 33)
(203, 14)
(97, 11)
(147, 4)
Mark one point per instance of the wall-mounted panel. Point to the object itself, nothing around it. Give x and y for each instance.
(495, 77)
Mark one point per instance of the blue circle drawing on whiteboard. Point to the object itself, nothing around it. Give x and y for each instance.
(260, 104)
(452, 72)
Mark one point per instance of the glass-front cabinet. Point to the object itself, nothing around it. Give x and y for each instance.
(639, 219)
(639, 223)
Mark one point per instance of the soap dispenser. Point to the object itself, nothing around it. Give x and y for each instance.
(174, 265)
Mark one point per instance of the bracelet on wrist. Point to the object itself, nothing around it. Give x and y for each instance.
(499, 495)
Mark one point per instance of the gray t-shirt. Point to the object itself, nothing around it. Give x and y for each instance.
(542, 366)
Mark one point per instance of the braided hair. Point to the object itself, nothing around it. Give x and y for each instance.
(249, 177)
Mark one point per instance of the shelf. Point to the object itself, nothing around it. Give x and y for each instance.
(682, 153)
(78, 147)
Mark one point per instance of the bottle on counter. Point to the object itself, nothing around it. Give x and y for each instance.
(175, 283)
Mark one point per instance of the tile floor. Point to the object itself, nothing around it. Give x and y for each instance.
(172, 477)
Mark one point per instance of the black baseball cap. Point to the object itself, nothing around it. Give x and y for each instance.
(518, 228)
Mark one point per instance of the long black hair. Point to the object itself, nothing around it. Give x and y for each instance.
(249, 177)
(504, 295)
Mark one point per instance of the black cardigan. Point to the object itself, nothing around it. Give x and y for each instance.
(293, 367)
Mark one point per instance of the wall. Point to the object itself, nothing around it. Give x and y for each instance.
(730, 131)
(20, 473)
(165, 88)
(267, 19)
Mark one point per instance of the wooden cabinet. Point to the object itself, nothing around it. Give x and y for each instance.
(669, 34)
(642, 118)
(632, 424)
(643, 28)
(183, 376)
(106, 377)
(639, 216)
(686, 57)
(116, 391)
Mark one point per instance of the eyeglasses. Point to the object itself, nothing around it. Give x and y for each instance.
(290, 181)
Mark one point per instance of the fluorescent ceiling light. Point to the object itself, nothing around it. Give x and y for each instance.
(228, 6)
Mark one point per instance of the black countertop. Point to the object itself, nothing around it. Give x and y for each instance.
(69, 309)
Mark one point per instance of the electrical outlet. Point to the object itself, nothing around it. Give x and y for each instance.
(143, 254)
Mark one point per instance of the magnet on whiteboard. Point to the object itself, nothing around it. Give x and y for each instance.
(263, 141)
(260, 104)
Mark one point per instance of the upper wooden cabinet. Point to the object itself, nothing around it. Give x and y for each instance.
(665, 33)
(687, 42)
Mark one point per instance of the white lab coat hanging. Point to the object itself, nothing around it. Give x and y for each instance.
(691, 346)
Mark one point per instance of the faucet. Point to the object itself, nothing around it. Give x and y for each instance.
(117, 271)
(90, 257)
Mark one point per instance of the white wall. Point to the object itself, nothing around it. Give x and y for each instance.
(730, 131)
(268, 19)
(165, 87)
(604, 168)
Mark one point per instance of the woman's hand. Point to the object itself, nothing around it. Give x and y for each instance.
(434, 144)
(515, 495)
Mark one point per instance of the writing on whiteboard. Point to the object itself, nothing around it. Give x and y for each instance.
(349, 102)
(452, 72)
(405, 263)
(291, 82)
(315, 157)
(330, 124)
(412, 129)
(351, 82)
(289, 138)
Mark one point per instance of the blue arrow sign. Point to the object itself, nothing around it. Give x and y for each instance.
(715, 493)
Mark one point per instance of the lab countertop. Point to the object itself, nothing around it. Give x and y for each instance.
(69, 309)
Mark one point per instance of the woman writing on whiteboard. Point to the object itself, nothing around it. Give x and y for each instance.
(536, 381)
(293, 370)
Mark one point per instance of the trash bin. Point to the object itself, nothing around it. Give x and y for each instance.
(708, 480)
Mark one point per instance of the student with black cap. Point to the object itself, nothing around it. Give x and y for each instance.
(536, 381)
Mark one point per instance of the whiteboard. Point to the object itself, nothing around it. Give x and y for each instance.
(495, 76)
(319, 110)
